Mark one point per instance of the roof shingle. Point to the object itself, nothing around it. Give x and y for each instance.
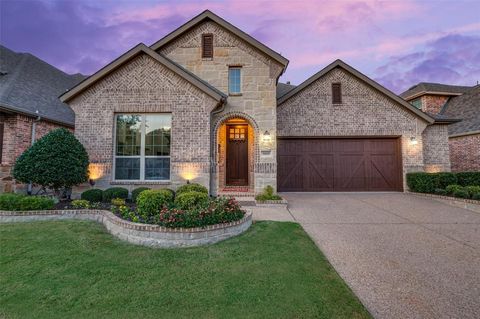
(28, 85)
(467, 108)
(424, 87)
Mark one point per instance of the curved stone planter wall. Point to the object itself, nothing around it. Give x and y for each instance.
(136, 233)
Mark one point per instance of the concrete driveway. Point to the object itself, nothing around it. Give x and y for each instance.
(404, 256)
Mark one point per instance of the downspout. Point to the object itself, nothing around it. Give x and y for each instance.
(214, 147)
(34, 128)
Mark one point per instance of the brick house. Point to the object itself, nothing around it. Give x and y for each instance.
(203, 104)
(454, 102)
(29, 106)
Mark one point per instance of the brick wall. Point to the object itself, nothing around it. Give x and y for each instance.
(143, 85)
(363, 112)
(433, 103)
(435, 148)
(17, 138)
(256, 104)
(465, 153)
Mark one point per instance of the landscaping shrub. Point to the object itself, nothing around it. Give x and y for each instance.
(450, 189)
(472, 190)
(461, 193)
(80, 204)
(267, 194)
(218, 211)
(137, 191)
(421, 182)
(57, 160)
(194, 187)
(92, 195)
(150, 202)
(468, 178)
(114, 192)
(190, 200)
(118, 202)
(476, 196)
(440, 191)
(10, 201)
(442, 180)
(35, 203)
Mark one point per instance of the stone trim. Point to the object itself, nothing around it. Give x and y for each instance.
(137, 233)
(470, 204)
(271, 203)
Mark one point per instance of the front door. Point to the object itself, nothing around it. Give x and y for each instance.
(237, 155)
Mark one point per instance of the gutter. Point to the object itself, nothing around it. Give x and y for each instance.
(222, 103)
(14, 109)
(32, 141)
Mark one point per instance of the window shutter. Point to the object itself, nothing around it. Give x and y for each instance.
(336, 93)
(207, 46)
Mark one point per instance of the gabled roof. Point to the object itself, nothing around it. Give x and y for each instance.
(208, 15)
(28, 85)
(283, 88)
(360, 76)
(134, 52)
(466, 107)
(434, 89)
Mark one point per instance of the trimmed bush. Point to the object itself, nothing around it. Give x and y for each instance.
(472, 190)
(136, 192)
(428, 182)
(150, 202)
(57, 160)
(468, 178)
(22, 202)
(114, 192)
(92, 195)
(10, 201)
(461, 193)
(36, 203)
(191, 200)
(194, 187)
(476, 196)
(267, 194)
(80, 204)
(450, 189)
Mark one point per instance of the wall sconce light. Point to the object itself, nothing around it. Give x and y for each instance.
(413, 140)
(267, 138)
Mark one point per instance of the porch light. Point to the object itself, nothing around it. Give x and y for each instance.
(266, 137)
(413, 140)
(95, 172)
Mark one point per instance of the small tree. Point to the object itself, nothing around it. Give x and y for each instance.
(57, 160)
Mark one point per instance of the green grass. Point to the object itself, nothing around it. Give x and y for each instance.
(75, 269)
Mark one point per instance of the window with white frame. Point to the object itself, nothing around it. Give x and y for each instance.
(142, 146)
(234, 80)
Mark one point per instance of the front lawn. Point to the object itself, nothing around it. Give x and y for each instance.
(75, 269)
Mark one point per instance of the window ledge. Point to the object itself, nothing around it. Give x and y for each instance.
(235, 94)
(140, 182)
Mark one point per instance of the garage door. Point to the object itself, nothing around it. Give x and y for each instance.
(353, 164)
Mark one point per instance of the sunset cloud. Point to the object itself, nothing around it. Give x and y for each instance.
(392, 41)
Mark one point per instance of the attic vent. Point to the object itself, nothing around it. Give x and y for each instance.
(207, 46)
(336, 93)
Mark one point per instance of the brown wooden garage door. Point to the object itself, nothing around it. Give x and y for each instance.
(353, 164)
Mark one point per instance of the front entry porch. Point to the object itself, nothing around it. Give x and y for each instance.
(235, 157)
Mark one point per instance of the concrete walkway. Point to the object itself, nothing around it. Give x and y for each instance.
(404, 256)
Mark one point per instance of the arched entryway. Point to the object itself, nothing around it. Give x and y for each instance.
(235, 155)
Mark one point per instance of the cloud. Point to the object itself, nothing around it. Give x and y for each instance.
(451, 59)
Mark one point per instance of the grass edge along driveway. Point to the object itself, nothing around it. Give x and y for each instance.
(75, 269)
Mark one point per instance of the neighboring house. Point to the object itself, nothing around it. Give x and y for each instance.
(455, 102)
(29, 106)
(204, 104)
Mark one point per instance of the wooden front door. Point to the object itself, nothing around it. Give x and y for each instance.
(237, 155)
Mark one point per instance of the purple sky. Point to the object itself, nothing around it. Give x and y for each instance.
(397, 43)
